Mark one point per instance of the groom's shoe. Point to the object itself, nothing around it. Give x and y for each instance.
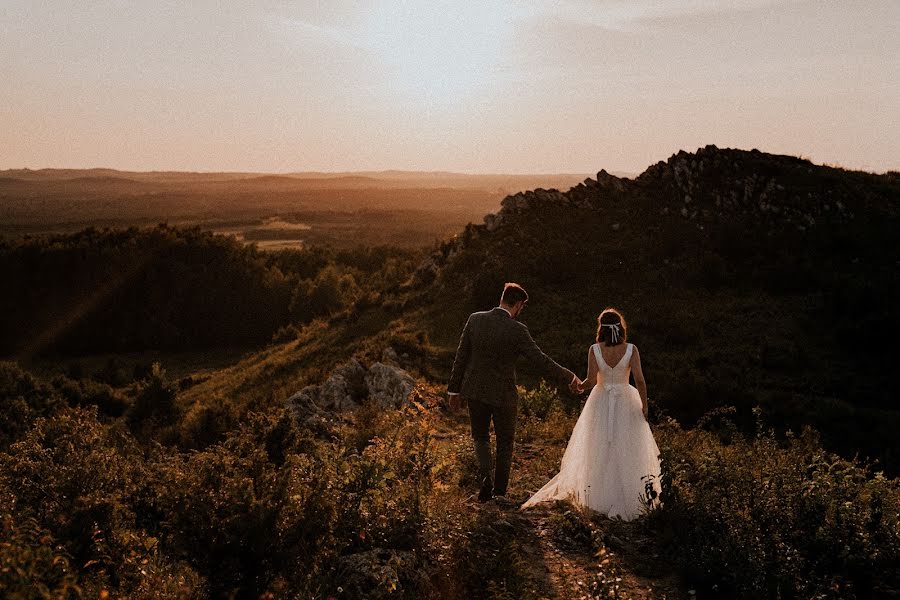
(487, 490)
(500, 498)
(502, 501)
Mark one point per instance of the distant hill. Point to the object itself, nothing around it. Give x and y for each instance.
(376, 179)
(66, 200)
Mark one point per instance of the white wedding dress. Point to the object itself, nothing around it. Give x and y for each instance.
(611, 463)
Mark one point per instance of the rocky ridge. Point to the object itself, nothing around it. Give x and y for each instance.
(709, 186)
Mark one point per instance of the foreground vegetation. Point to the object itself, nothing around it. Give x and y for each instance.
(377, 502)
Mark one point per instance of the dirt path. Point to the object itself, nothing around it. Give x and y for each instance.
(573, 553)
(592, 557)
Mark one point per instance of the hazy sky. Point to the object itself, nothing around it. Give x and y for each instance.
(527, 86)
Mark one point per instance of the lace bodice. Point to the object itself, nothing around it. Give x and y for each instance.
(617, 375)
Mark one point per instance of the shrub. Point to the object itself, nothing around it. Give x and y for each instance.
(155, 402)
(32, 565)
(757, 519)
(85, 483)
(114, 373)
(288, 333)
(85, 392)
(539, 402)
(207, 422)
(542, 416)
(22, 399)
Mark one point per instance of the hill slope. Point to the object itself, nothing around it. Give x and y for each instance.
(747, 279)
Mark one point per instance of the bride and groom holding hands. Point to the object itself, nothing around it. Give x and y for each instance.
(611, 463)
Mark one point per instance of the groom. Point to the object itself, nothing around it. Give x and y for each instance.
(484, 373)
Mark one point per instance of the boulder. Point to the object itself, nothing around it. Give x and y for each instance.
(388, 386)
(304, 403)
(345, 388)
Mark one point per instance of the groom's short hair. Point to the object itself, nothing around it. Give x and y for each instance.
(512, 293)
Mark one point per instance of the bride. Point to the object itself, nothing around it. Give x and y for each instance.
(611, 463)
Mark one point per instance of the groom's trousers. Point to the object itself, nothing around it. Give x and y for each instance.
(504, 418)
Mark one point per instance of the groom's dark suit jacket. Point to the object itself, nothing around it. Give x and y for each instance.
(485, 364)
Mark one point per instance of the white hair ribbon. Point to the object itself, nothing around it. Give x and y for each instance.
(613, 330)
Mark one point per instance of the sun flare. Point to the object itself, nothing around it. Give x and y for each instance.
(441, 51)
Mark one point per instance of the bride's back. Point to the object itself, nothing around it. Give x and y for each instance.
(614, 362)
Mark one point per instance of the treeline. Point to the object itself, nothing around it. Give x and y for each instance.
(168, 288)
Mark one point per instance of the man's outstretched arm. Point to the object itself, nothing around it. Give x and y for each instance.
(530, 350)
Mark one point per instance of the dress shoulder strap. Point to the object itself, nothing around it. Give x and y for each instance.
(597, 356)
(629, 350)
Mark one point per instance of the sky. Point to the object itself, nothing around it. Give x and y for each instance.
(529, 86)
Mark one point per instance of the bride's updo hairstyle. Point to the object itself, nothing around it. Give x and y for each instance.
(611, 327)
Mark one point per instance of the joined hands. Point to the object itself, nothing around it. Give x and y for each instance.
(577, 386)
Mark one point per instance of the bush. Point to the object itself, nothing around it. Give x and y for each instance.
(757, 519)
(207, 422)
(542, 416)
(288, 333)
(266, 510)
(86, 392)
(32, 565)
(154, 404)
(114, 373)
(22, 399)
(85, 483)
(539, 402)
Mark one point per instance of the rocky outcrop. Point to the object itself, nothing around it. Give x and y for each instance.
(607, 181)
(388, 387)
(345, 388)
(351, 384)
(716, 184)
(752, 189)
(304, 406)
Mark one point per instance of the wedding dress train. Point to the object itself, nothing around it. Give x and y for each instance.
(611, 463)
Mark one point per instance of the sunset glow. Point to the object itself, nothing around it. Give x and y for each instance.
(569, 86)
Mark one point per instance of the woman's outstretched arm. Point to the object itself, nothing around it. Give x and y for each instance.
(639, 382)
(592, 370)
